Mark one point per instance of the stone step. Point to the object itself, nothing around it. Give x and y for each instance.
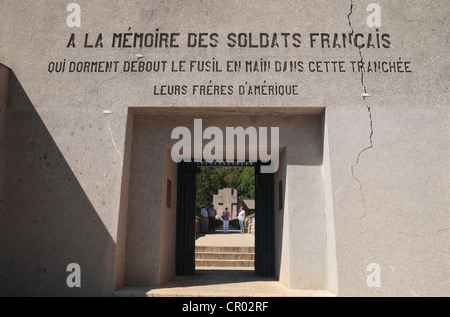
(224, 256)
(225, 249)
(224, 263)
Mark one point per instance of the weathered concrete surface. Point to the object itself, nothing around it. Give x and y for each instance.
(68, 165)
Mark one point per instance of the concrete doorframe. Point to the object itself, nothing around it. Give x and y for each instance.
(304, 227)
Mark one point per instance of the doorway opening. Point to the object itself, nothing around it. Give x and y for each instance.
(187, 210)
(305, 254)
(225, 240)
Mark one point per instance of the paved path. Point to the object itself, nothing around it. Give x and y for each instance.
(230, 239)
(222, 282)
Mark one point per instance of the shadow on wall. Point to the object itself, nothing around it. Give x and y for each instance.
(46, 219)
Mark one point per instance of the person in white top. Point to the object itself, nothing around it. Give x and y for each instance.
(241, 218)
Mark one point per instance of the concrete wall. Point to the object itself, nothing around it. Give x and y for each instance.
(48, 221)
(168, 220)
(74, 190)
(144, 215)
(392, 209)
(305, 193)
(4, 76)
(119, 259)
(282, 228)
(332, 282)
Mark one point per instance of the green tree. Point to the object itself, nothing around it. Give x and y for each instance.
(247, 183)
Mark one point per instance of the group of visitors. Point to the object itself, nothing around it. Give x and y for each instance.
(208, 219)
(208, 214)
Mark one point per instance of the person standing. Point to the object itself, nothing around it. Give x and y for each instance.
(212, 219)
(204, 215)
(241, 218)
(225, 220)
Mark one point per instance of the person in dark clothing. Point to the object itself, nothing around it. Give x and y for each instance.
(212, 219)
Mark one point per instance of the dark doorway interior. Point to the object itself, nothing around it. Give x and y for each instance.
(185, 235)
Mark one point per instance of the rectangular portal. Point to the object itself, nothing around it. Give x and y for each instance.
(185, 234)
(294, 247)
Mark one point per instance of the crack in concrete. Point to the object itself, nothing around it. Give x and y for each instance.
(425, 236)
(416, 235)
(369, 110)
(113, 140)
(359, 49)
(440, 250)
(152, 12)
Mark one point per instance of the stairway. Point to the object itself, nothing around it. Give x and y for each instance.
(224, 257)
